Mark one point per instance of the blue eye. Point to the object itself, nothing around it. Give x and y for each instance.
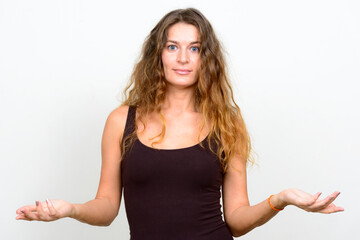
(171, 47)
(194, 49)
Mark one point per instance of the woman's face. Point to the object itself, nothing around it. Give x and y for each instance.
(181, 55)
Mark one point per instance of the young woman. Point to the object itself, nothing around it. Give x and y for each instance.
(176, 140)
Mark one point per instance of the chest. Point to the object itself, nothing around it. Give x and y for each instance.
(179, 132)
(186, 170)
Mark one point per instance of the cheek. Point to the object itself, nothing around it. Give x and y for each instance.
(166, 61)
(197, 63)
(166, 66)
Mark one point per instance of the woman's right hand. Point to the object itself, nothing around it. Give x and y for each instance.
(47, 211)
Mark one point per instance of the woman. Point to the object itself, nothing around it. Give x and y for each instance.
(175, 141)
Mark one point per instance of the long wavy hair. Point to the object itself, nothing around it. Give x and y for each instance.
(213, 93)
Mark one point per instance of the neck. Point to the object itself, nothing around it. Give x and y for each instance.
(179, 101)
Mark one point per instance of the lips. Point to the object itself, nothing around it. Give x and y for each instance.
(182, 71)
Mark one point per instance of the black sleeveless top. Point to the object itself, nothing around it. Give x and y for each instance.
(172, 194)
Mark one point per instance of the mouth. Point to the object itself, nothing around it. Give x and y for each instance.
(182, 71)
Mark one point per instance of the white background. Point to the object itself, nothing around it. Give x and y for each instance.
(295, 67)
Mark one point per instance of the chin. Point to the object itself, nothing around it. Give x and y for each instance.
(182, 85)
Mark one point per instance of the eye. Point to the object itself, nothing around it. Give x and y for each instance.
(194, 49)
(171, 47)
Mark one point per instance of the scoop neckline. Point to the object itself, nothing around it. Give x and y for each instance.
(172, 149)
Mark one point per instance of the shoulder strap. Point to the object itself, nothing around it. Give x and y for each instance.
(130, 122)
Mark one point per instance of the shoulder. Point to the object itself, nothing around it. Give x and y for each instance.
(117, 119)
(119, 114)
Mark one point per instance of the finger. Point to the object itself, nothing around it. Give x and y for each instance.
(322, 204)
(339, 209)
(30, 215)
(52, 210)
(331, 198)
(20, 214)
(29, 207)
(40, 211)
(317, 195)
(332, 208)
(22, 217)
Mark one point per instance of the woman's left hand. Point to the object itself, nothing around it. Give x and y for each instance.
(308, 202)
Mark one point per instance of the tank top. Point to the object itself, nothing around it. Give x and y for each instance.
(172, 194)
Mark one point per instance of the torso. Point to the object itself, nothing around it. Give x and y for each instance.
(172, 193)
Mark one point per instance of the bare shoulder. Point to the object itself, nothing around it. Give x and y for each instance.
(117, 119)
(119, 114)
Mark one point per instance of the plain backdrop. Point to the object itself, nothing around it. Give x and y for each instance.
(295, 70)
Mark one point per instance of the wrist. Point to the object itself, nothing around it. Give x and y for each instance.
(74, 211)
(277, 201)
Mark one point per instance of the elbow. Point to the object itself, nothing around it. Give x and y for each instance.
(101, 224)
(109, 214)
(236, 233)
(104, 223)
(239, 229)
(109, 221)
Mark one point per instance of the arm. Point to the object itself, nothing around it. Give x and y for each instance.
(242, 218)
(104, 208)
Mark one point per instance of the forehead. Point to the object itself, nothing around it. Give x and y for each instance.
(183, 32)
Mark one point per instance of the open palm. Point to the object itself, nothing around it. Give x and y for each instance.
(49, 210)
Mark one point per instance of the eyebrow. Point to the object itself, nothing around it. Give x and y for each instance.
(176, 42)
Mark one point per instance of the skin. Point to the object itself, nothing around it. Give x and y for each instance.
(181, 60)
(181, 57)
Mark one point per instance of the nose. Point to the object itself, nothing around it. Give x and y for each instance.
(182, 56)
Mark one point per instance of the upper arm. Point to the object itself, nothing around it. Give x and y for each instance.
(110, 186)
(234, 190)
